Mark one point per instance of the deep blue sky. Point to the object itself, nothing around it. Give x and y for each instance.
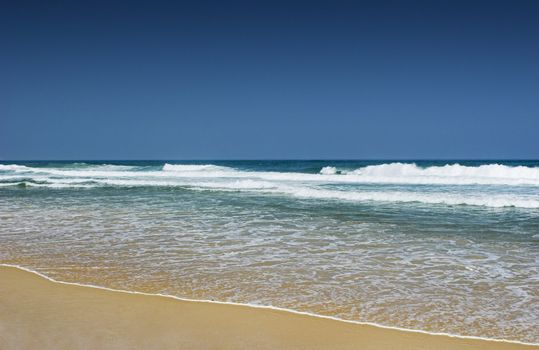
(269, 79)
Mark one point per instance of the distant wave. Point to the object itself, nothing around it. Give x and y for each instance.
(14, 167)
(450, 174)
(391, 173)
(328, 170)
(305, 185)
(491, 171)
(495, 201)
(68, 168)
(194, 168)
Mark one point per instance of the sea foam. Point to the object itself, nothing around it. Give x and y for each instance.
(487, 171)
(344, 184)
(194, 168)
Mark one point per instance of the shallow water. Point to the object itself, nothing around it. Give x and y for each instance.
(427, 246)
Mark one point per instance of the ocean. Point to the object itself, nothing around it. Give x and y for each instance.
(440, 246)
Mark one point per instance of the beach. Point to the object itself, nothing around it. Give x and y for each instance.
(429, 246)
(37, 313)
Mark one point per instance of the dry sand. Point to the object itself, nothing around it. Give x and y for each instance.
(36, 313)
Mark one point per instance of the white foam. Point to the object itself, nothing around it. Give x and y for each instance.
(490, 200)
(14, 167)
(263, 187)
(449, 174)
(236, 185)
(194, 167)
(328, 170)
(108, 167)
(304, 185)
(392, 173)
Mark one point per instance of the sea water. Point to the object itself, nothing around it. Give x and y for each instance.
(441, 246)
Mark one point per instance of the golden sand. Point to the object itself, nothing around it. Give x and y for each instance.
(36, 313)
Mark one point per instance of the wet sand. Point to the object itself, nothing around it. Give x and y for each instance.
(36, 313)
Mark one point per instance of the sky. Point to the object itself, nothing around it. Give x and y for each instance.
(269, 79)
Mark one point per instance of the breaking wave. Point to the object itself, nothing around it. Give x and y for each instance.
(328, 170)
(502, 173)
(492, 185)
(194, 168)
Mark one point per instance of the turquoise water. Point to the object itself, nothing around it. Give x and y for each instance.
(444, 246)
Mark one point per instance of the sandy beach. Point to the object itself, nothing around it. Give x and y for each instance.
(36, 313)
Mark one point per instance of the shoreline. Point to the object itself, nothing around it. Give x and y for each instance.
(32, 297)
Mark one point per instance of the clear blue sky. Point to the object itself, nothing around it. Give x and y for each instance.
(269, 79)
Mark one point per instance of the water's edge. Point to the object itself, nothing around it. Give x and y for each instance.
(270, 308)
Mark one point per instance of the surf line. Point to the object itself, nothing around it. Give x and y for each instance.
(269, 307)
